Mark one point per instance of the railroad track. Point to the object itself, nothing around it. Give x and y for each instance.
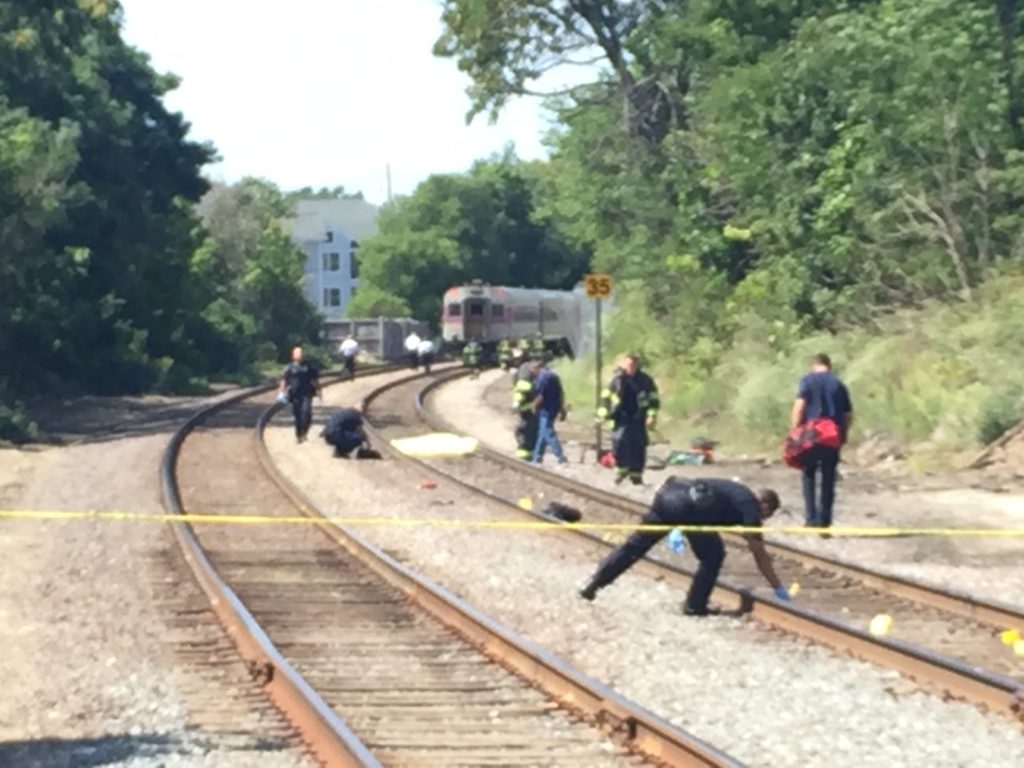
(370, 662)
(943, 639)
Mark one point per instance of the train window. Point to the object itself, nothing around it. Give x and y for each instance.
(497, 310)
(454, 310)
(476, 310)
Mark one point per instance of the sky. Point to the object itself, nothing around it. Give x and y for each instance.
(324, 92)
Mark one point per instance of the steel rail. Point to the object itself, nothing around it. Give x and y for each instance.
(999, 615)
(634, 727)
(325, 734)
(995, 691)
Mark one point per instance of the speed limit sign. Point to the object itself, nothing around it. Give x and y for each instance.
(598, 285)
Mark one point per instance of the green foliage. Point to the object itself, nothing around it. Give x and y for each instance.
(506, 47)
(371, 301)
(825, 162)
(454, 228)
(108, 281)
(253, 276)
(942, 380)
(96, 181)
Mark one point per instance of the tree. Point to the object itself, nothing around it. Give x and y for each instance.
(454, 228)
(116, 299)
(254, 274)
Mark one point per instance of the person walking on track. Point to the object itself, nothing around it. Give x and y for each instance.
(549, 403)
(697, 502)
(425, 354)
(299, 383)
(349, 350)
(412, 349)
(523, 396)
(630, 403)
(821, 395)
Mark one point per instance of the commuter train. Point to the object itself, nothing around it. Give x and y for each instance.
(490, 313)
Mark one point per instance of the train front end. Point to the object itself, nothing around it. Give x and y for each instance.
(474, 311)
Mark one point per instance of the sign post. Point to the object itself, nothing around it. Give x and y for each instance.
(598, 286)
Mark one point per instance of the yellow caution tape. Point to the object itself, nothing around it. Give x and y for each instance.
(1010, 636)
(237, 519)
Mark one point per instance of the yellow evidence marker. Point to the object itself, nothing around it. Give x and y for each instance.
(1010, 636)
(526, 503)
(1018, 648)
(794, 589)
(880, 625)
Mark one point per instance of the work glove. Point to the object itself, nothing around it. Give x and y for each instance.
(282, 397)
(676, 541)
(783, 594)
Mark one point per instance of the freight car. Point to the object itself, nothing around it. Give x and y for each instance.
(490, 313)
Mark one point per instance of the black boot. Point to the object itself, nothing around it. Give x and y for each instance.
(589, 592)
(711, 610)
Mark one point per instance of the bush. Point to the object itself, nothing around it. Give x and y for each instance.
(999, 413)
(15, 424)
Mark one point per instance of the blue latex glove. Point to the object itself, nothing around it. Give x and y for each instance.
(783, 594)
(676, 542)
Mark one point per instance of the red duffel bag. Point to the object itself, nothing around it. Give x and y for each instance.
(814, 433)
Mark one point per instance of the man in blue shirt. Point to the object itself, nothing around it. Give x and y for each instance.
(821, 395)
(549, 404)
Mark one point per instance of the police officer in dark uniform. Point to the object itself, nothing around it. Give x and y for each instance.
(631, 404)
(300, 382)
(697, 502)
(523, 396)
(344, 431)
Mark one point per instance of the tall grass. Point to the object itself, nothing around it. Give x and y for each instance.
(939, 381)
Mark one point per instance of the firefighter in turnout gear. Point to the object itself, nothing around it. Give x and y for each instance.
(523, 396)
(630, 403)
(504, 355)
(471, 357)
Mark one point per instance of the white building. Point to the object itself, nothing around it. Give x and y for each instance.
(329, 232)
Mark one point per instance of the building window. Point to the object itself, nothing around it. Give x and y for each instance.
(497, 310)
(454, 310)
(332, 262)
(476, 310)
(332, 297)
(354, 262)
(330, 236)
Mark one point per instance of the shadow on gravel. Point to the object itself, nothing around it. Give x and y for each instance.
(84, 753)
(104, 419)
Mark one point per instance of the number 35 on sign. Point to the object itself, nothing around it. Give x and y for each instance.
(599, 286)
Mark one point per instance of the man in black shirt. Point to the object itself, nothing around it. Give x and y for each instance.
(697, 502)
(300, 381)
(344, 430)
(630, 403)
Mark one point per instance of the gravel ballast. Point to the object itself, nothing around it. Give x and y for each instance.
(90, 678)
(768, 700)
(988, 567)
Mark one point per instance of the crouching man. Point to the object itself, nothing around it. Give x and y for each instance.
(345, 432)
(708, 501)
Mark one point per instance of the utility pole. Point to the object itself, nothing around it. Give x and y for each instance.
(389, 181)
(598, 286)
